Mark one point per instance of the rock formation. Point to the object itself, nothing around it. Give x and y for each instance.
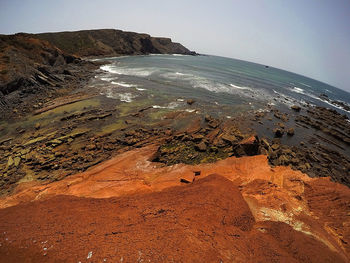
(111, 42)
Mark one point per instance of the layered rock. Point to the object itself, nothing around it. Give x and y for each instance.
(247, 213)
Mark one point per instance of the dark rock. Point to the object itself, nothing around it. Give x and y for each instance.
(278, 132)
(197, 173)
(190, 101)
(290, 131)
(295, 108)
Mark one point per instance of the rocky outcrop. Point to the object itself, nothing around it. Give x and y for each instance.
(220, 212)
(111, 42)
(32, 69)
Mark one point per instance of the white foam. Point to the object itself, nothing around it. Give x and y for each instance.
(107, 78)
(240, 87)
(138, 72)
(333, 105)
(190, 110)
(140, 89)
(171, 105)
(126, 97)
(177, 75)
(123, 84)
(298, 90)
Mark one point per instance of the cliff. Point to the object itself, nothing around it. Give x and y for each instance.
(111, 42)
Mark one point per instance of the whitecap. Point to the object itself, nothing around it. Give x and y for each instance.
(140, 89)
(240, 87)
(138, 72)
(298, 90)
(123, 84)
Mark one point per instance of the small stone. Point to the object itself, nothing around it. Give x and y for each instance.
(295, 108)
(290, 132)
(202, 147)
(37, 126)
(190, 101)
(278, 132)
(187, 178)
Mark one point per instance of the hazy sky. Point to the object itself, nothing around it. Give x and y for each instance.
(309, 37)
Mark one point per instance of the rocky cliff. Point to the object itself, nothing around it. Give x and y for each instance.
(111, 42)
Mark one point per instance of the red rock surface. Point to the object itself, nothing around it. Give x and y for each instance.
(131, 210)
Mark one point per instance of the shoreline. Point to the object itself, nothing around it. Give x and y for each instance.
(83, 174)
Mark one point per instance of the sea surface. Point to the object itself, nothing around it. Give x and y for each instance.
(235, 86)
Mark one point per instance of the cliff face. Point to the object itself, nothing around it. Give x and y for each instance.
(111, 42)
(26, 60)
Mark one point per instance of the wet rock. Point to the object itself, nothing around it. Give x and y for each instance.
(250, 145)
(229, 138)
(295, 108)
(190, 101)
(290, 131)
(278, 132)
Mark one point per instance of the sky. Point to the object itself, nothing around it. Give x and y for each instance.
(308, 37)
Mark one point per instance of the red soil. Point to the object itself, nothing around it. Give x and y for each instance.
(131, 210)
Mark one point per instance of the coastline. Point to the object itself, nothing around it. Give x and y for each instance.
(70, 148)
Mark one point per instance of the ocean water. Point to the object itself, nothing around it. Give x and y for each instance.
(238, 86)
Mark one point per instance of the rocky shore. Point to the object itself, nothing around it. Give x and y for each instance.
(69, 154)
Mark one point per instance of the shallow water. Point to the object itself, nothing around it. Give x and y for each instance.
(238, 86)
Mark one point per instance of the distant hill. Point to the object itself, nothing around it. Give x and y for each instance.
(111, 42)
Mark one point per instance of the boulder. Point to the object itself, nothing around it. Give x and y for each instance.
(295, 108)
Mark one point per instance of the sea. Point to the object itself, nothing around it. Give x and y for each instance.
(224, 85)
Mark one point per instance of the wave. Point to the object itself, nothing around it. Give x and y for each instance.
(240, 87)
(177, 75)
(298, 90)
(333, 105)
(107, 78)
(123, 84)
(138, 72)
